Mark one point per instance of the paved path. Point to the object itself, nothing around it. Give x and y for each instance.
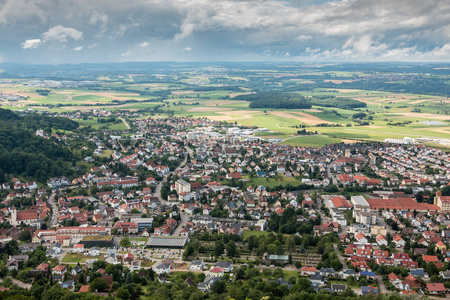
(125, 122)
(381, 285)
(341, 258)
(18, 283)
(184, 218)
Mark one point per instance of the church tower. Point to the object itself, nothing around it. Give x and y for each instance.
(13, 215)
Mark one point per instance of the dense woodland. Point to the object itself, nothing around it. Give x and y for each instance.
(296, 101)
(23, 153)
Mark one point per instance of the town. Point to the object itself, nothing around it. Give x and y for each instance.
(210, 203)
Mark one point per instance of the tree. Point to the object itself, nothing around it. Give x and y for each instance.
(252, 242)
(99, 284)
(218, 287)
(23, 276)
(231, 249)
(219, 248)
(125, 242)
(123, 294)
(290, 243)
(25, 236)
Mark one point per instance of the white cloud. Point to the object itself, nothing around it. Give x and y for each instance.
(98, 19)
(125, 54)
(61, 34)
(31, 44)
(79, 48)
(144, 44)
(58, 34)
(187, 49)
(303, 38)
(93, 45)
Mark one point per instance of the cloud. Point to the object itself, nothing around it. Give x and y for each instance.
(79, 48)
(341, 29)
(58, 34)
(31, 44)
(61, 34)
(93, 45)
(187, 49)
(99, 19)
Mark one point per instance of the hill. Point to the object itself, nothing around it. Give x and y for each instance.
(22, 153)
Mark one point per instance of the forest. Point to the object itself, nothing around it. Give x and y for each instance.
(23, 153)
(285, 100)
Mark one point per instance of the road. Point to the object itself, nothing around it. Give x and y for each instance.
(18, 283)
(184, 218)
(158, 187)
(51, 201)
(381, 285)
(341, 258)
(125, 122)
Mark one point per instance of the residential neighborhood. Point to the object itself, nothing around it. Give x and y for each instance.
(207, 197)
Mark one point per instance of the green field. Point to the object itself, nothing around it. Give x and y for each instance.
(194, 93)
(77, 258)
(247, 233)
(97, 238)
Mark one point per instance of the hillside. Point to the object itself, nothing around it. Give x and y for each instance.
(22, 153)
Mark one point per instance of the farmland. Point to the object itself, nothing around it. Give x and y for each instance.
(391, 106)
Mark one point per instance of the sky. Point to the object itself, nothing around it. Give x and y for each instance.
(61, 31)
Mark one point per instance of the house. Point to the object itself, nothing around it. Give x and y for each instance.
(189, 282)
(441, 246)
(398, 241)
(369, 274)
(12, 264)
(94, 251)
(58, 272)
(128, 258)
(215, 272)
(394, 279)
(225, 265)
(207, 283)
(436, 288)
(78, 248)
(366, 290)
(381, 240)
(338, 288)
(162, 269)
(430, 258)
(361, 238)
(305, 271)
(135, 265)
(84, 289)
(348, 272)
(317, 279)
(77, 270)
(69, 284)
(196, 265)
(417, 272)
(445, 274)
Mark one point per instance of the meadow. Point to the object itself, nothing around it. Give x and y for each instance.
(388, 114)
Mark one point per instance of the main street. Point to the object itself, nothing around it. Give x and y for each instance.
(55, 216)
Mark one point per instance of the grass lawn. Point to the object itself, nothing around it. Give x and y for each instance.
(247, 233)
(271, 182)
(77, 258)
(147, 263)
(312, 141)
(139, 239)
(97, 238)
